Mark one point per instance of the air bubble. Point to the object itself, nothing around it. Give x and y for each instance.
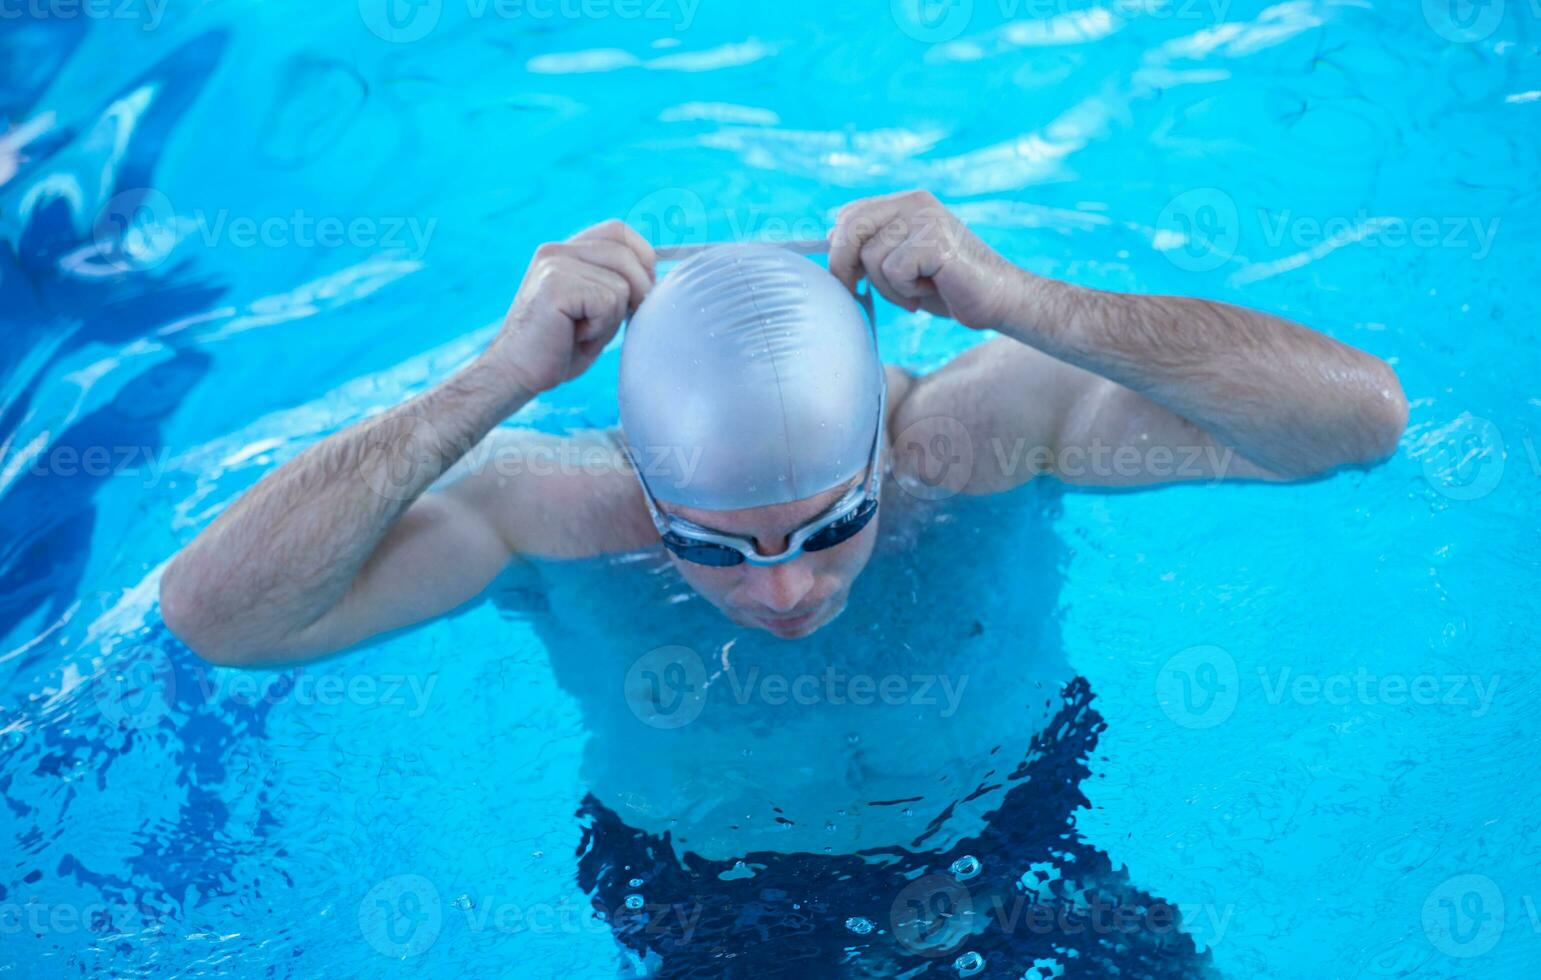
(859, 925)
(968, 964)
(634, 902)
(965, 867)
(634, 883)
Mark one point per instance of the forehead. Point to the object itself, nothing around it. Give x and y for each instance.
(772, 517)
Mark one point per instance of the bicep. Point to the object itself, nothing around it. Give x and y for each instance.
(518, 492)
(441, 553)
(1002, 413)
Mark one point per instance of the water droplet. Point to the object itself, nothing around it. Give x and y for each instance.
(859, 925)
(965, 867)
(634, 902)
(968, 964)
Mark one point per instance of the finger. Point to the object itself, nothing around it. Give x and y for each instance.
(621, 259)
(599, 303)
(620, 231)
(872, 256)
(908, 267)
(858, 222)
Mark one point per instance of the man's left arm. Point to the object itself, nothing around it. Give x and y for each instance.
(1110, 389)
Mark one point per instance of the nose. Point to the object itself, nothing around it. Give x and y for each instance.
(779, 588)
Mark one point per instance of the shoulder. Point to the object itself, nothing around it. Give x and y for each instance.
(977, 423)
(554, 496)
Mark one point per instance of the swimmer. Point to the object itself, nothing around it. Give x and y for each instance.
(751, 446)
(761, 445)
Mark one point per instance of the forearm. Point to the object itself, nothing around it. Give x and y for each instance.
(289, 550)
(1290, 399)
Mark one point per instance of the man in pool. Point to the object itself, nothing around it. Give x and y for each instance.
(757, 429)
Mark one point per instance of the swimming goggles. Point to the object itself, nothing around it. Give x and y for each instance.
(839, 523)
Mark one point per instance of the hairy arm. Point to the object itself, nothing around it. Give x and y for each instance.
(1292, 402)
(342, 543)
(1108, 389)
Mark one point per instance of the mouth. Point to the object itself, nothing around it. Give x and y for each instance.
(788, 624)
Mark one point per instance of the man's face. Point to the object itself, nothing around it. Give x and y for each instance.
(792, 599)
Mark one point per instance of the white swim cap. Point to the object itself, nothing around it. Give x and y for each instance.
(749, 376)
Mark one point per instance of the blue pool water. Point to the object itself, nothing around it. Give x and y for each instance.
(231, 229)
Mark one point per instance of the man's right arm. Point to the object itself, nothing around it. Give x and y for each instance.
(342, 543)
